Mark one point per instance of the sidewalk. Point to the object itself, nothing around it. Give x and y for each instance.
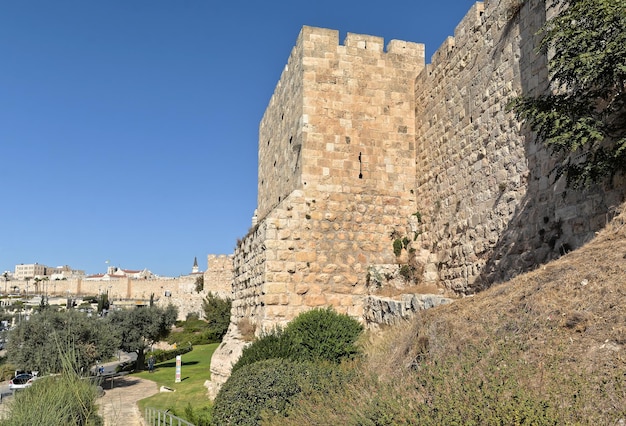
(118, 406)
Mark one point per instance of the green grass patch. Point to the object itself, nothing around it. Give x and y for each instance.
(195, 370)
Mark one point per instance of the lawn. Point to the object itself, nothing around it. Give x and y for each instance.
(190, 390)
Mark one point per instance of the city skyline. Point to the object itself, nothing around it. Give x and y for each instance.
(129, 131)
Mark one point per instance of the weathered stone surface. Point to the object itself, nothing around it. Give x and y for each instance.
(362, 148)
(382, 310)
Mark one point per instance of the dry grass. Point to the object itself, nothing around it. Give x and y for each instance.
(548, 347)
(247, 329)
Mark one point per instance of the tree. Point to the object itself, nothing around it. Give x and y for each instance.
(140, 328)
(199, 284)
(37, 343)
(584, 116)
(103, 304)
(217, 314)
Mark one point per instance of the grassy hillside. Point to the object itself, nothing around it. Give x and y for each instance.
(548, 347)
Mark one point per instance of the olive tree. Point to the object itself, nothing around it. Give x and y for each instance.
(36, 344)
(139, 328)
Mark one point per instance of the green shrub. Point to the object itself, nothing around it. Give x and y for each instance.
(457, 392)
(196, 332)
(55, 400)
(199, 416)
(217, 314)
(161, 355)
(323, 334)
(7, 371)
(192, 316)
(267, 388)
(315, 335)
(66, 399)
(397, 247)
(268, 346)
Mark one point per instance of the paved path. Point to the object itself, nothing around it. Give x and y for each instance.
(118, 406)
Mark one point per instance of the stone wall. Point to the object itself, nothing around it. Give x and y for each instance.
(122, 288)
(177, 291)
(486, 189)
(336, 172)
(218, 277)
(371, 161)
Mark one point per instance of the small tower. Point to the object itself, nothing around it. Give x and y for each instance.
(194, 270)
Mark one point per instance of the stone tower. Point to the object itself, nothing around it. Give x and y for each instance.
(336, 172)
(336, 179)
(369, 161)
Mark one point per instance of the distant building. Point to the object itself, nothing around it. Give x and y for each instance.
(114, 272)
(37, 270)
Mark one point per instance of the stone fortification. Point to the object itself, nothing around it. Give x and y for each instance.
(180, 292)
(336, 174)
(486, 189)
(373, 165)
(218, 277)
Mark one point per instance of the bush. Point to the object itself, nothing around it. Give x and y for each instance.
(7, 370)
(66, 399)
(323, 334)
(60, 400)
(316, 335)
(217, 314)
(456, 392)
(267, 388)
(161, 355)
(199, 416)
(192, 316)
(196, 332)
(272, 345)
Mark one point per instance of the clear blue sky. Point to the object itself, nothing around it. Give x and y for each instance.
(128, 128)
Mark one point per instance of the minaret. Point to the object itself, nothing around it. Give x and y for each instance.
(194, 270)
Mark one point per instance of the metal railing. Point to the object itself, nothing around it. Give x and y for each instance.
(156, 417)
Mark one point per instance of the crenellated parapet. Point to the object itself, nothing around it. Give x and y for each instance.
(340, 116)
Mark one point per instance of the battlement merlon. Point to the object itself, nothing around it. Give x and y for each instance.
(472, 19)
(318, 42)
(322, 40)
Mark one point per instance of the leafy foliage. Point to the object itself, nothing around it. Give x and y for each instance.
(55, 400)
(268, 346)
(199, 416)
(65, 399)
(103, 303)
(217, 314)
(323, 334)
(584, 118)
(316, 335)
(35, 344)
(463, 391)
(195, 332)
(139, 328)
(199, 284)
(268, 388)
(161, 355)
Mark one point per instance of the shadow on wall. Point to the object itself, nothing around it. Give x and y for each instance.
(551, 219)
